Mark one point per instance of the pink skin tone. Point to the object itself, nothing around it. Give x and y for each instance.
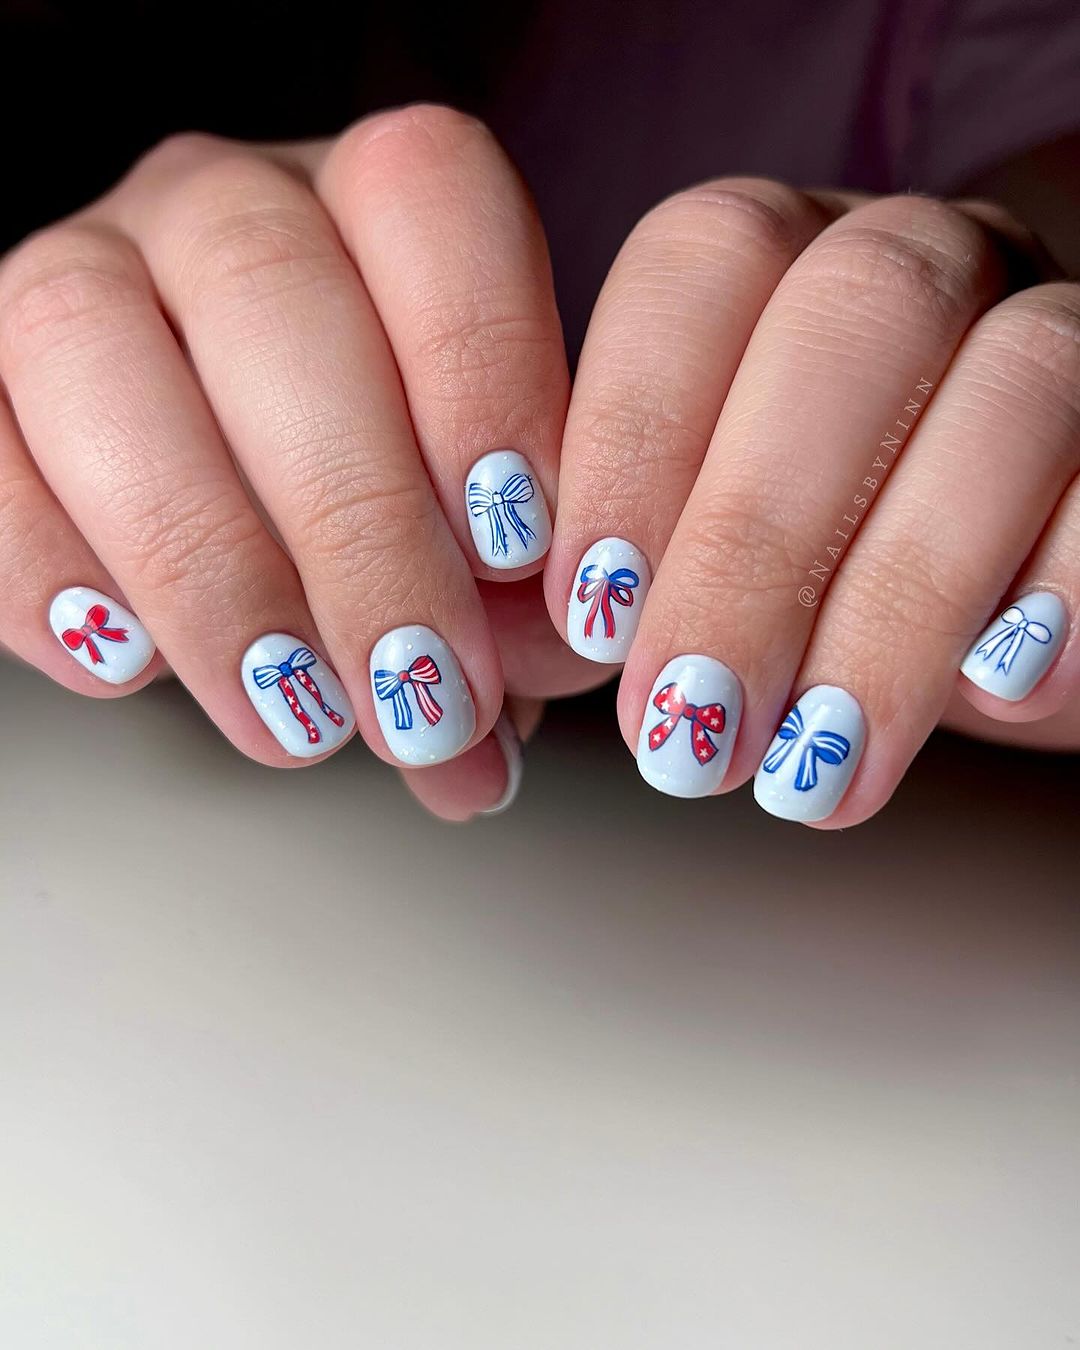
(213, 311)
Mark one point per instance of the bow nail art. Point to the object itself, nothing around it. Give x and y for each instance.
(415, 659)
(274, 670)
(825, 728)
(605, 605)
(1014, 653)
(296, 667)
(103, 636)
(507, 512)
(422, 672)
(703, 695)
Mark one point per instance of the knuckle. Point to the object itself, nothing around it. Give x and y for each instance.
(398, 136)
(247, 227)
(1040, 330)
(639, 429)
(738, 550)
(73, 275)
(178, 153)
(927, 265)
(926, 594)
(757, 213)
(191, 543)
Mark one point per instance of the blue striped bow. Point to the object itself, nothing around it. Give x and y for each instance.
(828, 746)
(500, 507)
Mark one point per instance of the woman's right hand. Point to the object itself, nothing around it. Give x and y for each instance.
(253, 395)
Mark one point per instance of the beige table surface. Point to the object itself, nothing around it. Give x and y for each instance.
(285, 1065)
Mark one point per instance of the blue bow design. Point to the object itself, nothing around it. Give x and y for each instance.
(1017, 627)
(301, 659)
(500, 507)
(828, 746)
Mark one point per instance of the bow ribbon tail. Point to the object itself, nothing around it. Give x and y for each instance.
(520, 528)
(600, 593)
(1011, 638)
(427, 704)
(498, 531)
(313, 689)
(291, 698)
(704, 745)
(775, 758)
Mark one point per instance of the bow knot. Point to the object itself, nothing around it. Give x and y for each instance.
(500, 506)
(704, 719)
(1017, 627)
(828, 746)
(602, 587)
(97, 617)
(392, 684)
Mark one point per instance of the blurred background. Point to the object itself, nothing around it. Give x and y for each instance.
(284, 1062)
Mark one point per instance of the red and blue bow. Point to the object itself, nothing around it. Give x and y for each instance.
(392, 684)
(602, 588)
(296, 668)
(500, 507)
(704, 719)
(827, 746)
(97, 616)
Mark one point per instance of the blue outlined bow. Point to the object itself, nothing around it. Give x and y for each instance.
(393, 683)
(500, 507)
(1017, 627)
(828, 746)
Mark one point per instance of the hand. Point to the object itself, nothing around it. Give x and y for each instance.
(251, 391)
(758, 362)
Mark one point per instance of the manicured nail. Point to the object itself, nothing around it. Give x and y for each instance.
(609, 591)
(689, 727)
(506, 734)
(103, 636)
(813, 757)
(1019, 647)
(508, 515)
(421, 697)
(297, 695)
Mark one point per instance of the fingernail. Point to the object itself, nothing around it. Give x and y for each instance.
(1019, 647)
(422, 698)
(813, 756)
(508, 515)
(689, 728)
(506, 734)
(105, 638)
(297, 695)
(609, 591)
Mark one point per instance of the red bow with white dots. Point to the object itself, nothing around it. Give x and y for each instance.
(703, 719)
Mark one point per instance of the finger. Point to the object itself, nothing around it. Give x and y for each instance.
(665, 340)
(837, 372)
(486, 779)
(53, 581)
(452, 252)
(1023, 667)
(301, 378)
(125, 440)
(994, 453)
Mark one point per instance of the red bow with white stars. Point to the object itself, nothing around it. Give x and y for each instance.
(703, 719)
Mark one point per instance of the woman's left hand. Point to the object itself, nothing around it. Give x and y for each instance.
(845, 435)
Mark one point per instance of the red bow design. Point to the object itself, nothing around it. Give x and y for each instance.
(709, 717)
(97, 616)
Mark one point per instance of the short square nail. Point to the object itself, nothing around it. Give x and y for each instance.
(297, 695)
(104, 637)
(1019, 647)
(508, 515)
(689, 728)
(610, 586)
(813, 756)
(422, 699)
